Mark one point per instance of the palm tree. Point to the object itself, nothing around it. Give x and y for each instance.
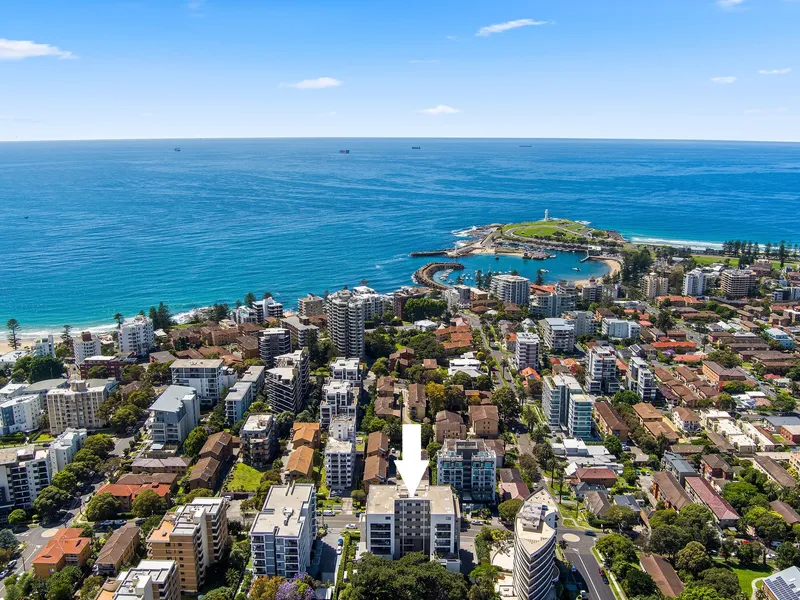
(119, 318)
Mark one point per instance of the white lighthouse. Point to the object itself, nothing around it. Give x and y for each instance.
(546, 215)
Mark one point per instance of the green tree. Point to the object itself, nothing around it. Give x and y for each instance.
(740, 494)
(509, 509)
(638, 583)
(617, 548)
(723, 581)
(8, 541)
(787, 555)
(99, 444)
(194, 441)
(66, 481)
(102, 506)
(124, 418)
(17, 517)
(436, 397)
(147, 504)
(700, 593)
(119, 318)
(45, 367)
(626, 397)
(97, 372)
(13, 327)
(148, 526)
(668, 540)
(50, 501)
(622, 516)
(380, 367)
(692, 558)
(507, 403)
(613, 445)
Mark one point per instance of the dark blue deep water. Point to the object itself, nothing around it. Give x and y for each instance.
(88, 229)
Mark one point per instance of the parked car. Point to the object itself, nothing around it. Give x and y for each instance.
(328, 513)
(338, 550)
(139, 521)
(584, 594)
(590, 533)
(351, 526)
(4, 574)
(12, 563)
(119, 522)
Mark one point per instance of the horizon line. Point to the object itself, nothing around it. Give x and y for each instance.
(601, 139)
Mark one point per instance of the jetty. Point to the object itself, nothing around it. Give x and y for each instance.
(429, 253)
(424, 275)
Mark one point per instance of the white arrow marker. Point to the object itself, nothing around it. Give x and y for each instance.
(411, 467)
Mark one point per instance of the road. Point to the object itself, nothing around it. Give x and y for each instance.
(580, 555)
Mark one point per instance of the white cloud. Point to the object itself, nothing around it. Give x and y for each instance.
(314, 84)
(723, 80)
(19, 49)
(775, 71)
(423, 62)
(729, 3)
(439, 109)
(501, 27)
(17, 119)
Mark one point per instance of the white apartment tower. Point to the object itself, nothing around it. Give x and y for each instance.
(287, 382)
(136, 335)
(24, 472)
(694, 283)
(85, 345)
(558, 334)
(346, 315)
(511, 288)
(273, 342)
(340, 458)
(338, 399)
(526, 353)
(77, 406)
(641, 379)
(284, 531)
(207, 376)
(601, 372)
(430, 522)
(654, 285)
(535, 532)
(174, 414)
(63, 449)
(556, 393)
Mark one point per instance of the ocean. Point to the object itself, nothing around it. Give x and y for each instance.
(88, 229)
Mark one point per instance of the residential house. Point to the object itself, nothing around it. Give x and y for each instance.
(300, 463)
(666, 489)
(118, 550)
(609, 421)
(484, 420)
(700, 491)
(377, 444)
(449, 425)
(305, 434)
(66, 548)
(205, 474)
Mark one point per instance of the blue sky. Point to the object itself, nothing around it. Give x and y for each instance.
(697, 69)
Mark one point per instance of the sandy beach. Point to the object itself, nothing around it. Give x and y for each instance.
(614, 267)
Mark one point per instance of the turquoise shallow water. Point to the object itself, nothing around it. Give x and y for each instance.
(88, 229)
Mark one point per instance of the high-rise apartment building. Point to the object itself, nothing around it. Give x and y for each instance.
(136, 335)
(149, 580)
(601, 371)
(558, 334)
(535, 532)
(239, 398)
(654, 285)
(287, 382)
(78, 405)
(338, 399)
(268, 308)
(195, 536)
(470, 467)
(694, 283)
(346, 316)
(302, 334)
(259, 440)
(21, 413)
(63, 449)
(174, 414)
(511, 288)
(641, 380)
(311, 306)
(340, 458)
(738, 283)
(346, 369)
(430, 522)
(566, 406)
(85, 345)
(24, 472)
(283, 533)
(526, 352)
(273, 342)
(583, 321)
(207, 376)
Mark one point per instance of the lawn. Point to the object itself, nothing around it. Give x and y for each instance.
(547, 229)
(746, 577)
(707, 259)
(245, 478)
